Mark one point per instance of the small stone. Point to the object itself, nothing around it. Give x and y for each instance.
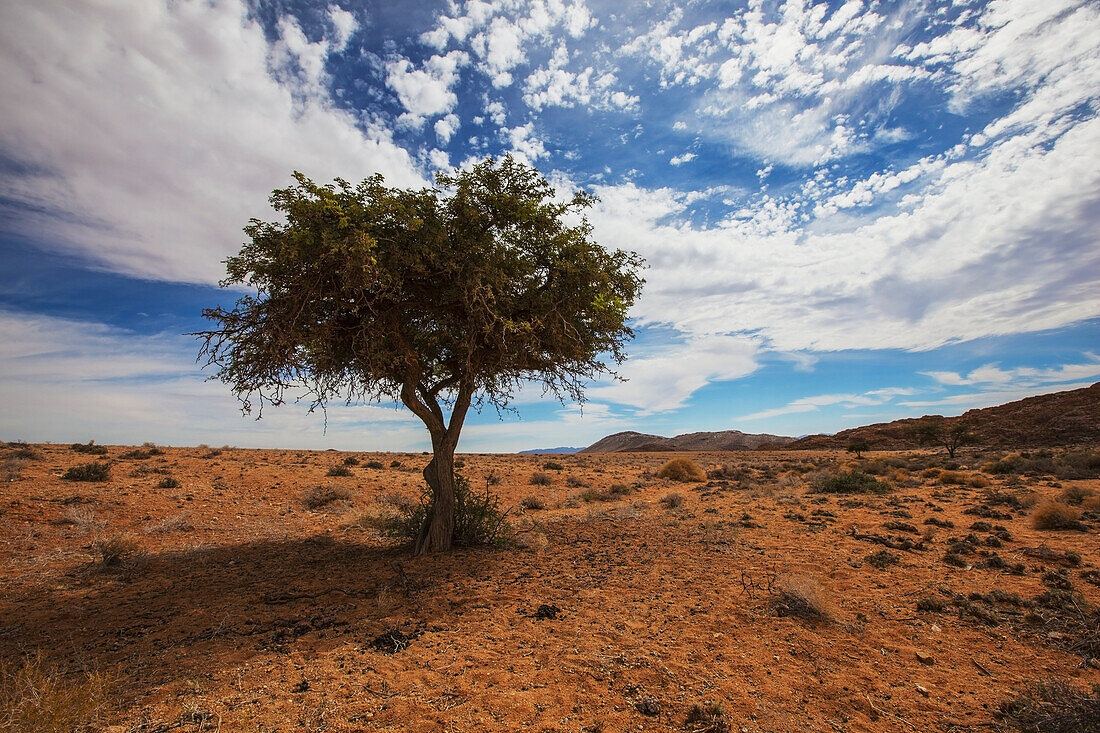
(925, 658)
(936, 628)
(1056, 635)
(922, 690)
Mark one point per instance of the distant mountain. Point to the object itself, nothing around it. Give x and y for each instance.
(543, 451)
(631, 442)
(1062, 418)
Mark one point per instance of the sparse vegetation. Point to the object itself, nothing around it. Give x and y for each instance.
(1054, 706)
(319, 497)
(117, 549)
(674, 500)
(803, 596)
(683, 470)
(480, 519)
(539, 479)
(859, 447)
(89, 448)
(339, 471)
(88, 472)
(552, 466)
(37, 697)
(850, 482)
(1057, 516)
(169, 482)
(532, 502)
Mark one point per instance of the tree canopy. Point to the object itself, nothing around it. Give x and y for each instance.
(439, 297)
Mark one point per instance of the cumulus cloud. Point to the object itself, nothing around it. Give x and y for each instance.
(66, 380)
(429, 90)
(665, 379)
(147, 140)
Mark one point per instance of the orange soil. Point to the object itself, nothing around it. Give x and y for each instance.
(251, 612)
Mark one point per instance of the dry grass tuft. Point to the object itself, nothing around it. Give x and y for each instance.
(683, 470)
(803, 596)
(117, 550)
(1056, 515)
(320, 497)
(1053, 706)
(37, 698)
(674, 500)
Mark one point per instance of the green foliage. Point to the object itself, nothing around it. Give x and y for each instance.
(858, 447)
(937, 431)
(850, 482)
(479, 283)
(88, 472)
(480, 519)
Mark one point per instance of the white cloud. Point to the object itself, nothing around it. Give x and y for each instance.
(1021, 377)
(666, 379)
(66, 381)
(150, 138)
(681, 159)
(426, 91)
(525, 146)
(446, 127)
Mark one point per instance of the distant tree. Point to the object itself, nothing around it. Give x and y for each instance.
(440, 298)
(936, 431)
(858, 447)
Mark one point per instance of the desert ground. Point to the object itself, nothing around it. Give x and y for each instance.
(204, 589)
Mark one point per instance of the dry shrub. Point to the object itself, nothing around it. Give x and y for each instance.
(930, 473)
(1077, 495)
(176, 523)
(532, 502)
(1054, 706)
(674, 500)
(117, 550)
(590, 495)
(88, 472)
(532, 540)
(954, 478)
(683, 470)
(80, 517)
(539, 478)
(1091, 504)
(36, 697)
(1056, 515)
(709, 717)
(322, 496)
(575, 483)
(340, 470)
(977, 481)
(803, 596)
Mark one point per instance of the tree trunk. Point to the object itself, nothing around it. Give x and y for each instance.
(437, 532)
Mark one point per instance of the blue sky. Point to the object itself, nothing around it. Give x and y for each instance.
(852, 211)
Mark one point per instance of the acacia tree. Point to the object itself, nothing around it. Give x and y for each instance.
(935, 431)
(440, 298)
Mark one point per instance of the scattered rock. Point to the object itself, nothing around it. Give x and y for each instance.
(925, 658)
(922, 690)
(650, 706)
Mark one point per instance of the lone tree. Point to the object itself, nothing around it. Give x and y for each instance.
(440, 298)
(936, 431)
(858, 447)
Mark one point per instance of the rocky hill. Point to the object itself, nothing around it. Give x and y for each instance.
(630, 442)
(1062, 418)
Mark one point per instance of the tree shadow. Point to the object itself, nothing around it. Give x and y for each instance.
(177, 614)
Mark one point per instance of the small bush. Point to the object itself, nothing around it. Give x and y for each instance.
(803, 596)
(339, 471)
(395, 463)
(619, 489)
(168, 483)
(709, 717)
(539, 479)
(175, 523)
(1053, 706)
(552, 466)
(1056, 515)
(136, 455)
(683, 470)
(322, 496)
(882, 559)
(674, 500)
(532, 502)
(351, 461)
(117, 549)
(1076, 495)
(951, 478)
(596, 495)
(90, 448)
(977, 481)
(575, 483)
(480, 518)
(850, 482)
(88, 472)
(38, 698)
(374, 464)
